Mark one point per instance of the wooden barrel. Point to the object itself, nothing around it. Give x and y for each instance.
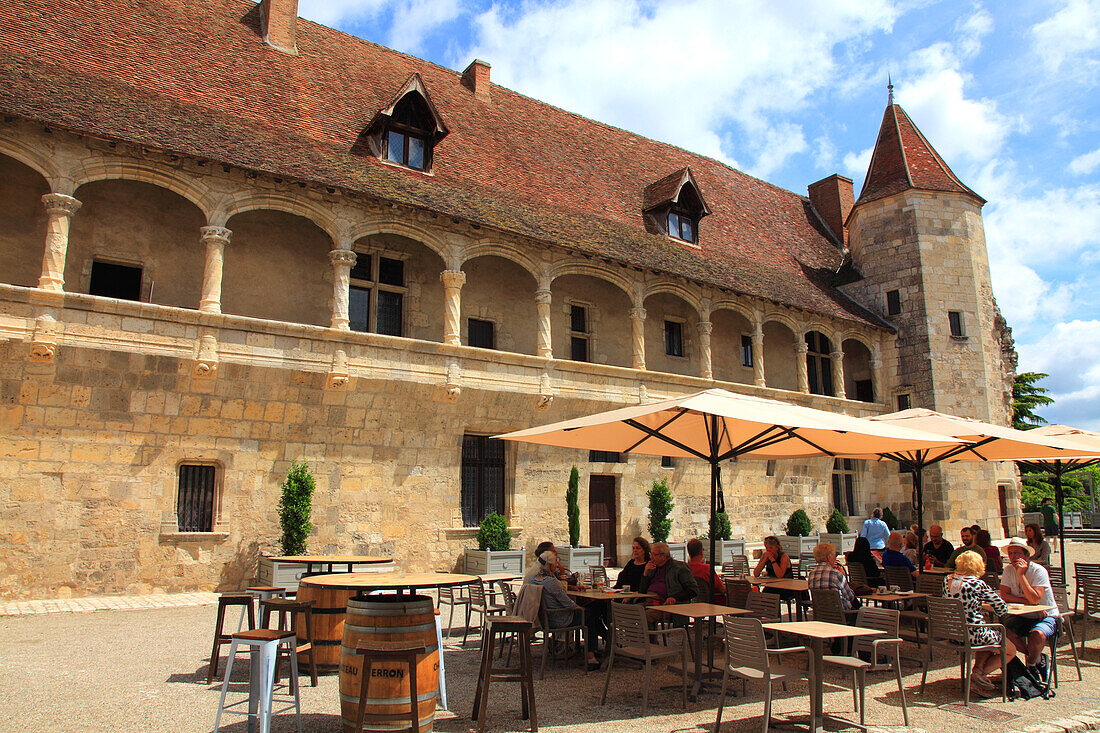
(328, 622)
(406, 619)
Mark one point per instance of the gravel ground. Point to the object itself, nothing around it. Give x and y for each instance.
(131, 670)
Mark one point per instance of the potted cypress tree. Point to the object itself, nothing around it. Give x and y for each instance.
(837, 534)
(575, 557)
(295, 508)
(724, 547)
(494, 553)
(798, 540)
(660, 525)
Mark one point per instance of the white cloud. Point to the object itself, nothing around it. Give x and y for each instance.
(408, 21)
(1056, 225)
(335, 12)
(1085, 164)
(857, 163)
(825, 152)
(685, 73)
(1069, 36)
(415, 19)
(971, 30)
(1070, 354)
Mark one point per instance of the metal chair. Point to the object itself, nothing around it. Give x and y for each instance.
(880, 619)
(1056, 575)
(1088, 588)
(1083, 571)
(632, 638)
(827, 606)
(857, 575)
(748, 658)
(736, 565)
(949, 631)
(992, 579)
(551, 633)
(480, 604)
(764, 606)
(932, 585)
(455, 596)
(1065, 626)
(899, 576)
(737, 592)
(599, 575)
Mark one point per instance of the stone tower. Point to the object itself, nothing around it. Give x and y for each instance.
(918, 255)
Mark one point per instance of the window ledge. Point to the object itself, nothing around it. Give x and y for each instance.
(179, 537)
(960, 339)
(461, 533)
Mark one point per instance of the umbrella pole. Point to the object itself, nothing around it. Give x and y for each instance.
(918, 490)
(1059, 499)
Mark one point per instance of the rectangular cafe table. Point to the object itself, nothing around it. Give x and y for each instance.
(1022, 609)
(816, 632)
(699, 613)
(890, 599)
(606, 595)
(792, 584)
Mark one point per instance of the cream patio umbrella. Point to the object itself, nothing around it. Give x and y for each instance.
(716, 425)
(1058, 467)
(983, 442)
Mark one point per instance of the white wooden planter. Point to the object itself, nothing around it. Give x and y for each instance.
(724, 550)
(795, 546)
(843, 542)
(678, 551)
(580, 559)
(482, 562)
(287, 574)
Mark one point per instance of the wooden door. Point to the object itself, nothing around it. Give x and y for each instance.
(602, 528)
(1002, 499)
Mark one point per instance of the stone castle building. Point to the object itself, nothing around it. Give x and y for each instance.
(231, 239)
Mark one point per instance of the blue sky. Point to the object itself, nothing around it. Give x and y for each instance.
(794, 91)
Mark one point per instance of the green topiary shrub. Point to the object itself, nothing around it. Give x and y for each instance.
(295, 506)
(890, 518)
(660, 506)
(836, 523)
(572, 509)
(493, 534)
(799, 525)
(720, 527)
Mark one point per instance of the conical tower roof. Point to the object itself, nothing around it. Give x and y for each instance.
(904, 159)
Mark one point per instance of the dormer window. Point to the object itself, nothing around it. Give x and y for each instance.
(405, 132)
(674, 206)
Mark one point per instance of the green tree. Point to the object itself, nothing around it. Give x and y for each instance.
(660, 507)
(836, 523)
(572, 508)
(295, 506)
(890, 518)
(493, 534)
(720, 527)
(1028, 396)
(1036, 487)
(799, 524)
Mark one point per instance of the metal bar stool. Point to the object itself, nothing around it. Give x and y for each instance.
(263, 647)
(225, 600)
(392, 652)
(283, 607)
(522, 629)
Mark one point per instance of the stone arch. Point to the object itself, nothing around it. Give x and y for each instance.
(797, 330)
(594, 271)
(731, 305)
(497, 292)
(252, 201)
(680, 291)
(859, 376)
(403, 229)
(669, 303)
(780, 356)
(504, 251)
(857, 336)
(731, 323)
(124, 220)
(33, 157)
(22, 221)
(604, 332)
(418, 297)
(188, 187)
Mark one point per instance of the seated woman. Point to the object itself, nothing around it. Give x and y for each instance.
(861, 554)
(630, 577)
(992, 554)
(827, 575)
(894, 557)
(912, 547)
(704, 572)
(561, 610)
(967, 585)
(1040, 548)
(774, 563)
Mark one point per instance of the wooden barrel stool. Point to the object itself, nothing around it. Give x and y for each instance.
(521, 629)
(387, 623)
(284, 608)
(225, 600)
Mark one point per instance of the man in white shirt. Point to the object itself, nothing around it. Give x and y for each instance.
(1026, 582)
(876, 531)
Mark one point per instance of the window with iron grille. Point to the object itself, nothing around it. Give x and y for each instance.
(195, 499)
(844, 486)
(604, 456)
(376, 295)
(482, 478)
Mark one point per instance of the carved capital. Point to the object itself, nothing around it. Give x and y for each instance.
(453, 278)
(637, 313)
(342, 258)
(542, 297)
(546, 393)
(58, 204)
(838, 354)
(802, 348)
(705, 328)
(215, 235)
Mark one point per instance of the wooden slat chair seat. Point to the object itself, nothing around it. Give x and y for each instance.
(1064, 630)
(948, 632)
(899, 576)
(631, 637)
(883, 653)
(736, 565)
(1081, 572)
(748, 658)
(737, 591)
(480, 604)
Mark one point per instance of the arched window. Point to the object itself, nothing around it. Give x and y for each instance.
(819, 367)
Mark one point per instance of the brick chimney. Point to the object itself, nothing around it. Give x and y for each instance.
(833, 197)
(280, 24)
(476, 77)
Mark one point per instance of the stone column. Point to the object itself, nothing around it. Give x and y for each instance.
(878, 388)
(453, 280)
(706, 365)
(545, 345)
(637, 336)
(59, 209)
(837, 359)
(800, 349)
(215, 239)
(758, 356)
(342, 262)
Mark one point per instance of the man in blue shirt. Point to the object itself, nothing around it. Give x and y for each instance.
(875, 530)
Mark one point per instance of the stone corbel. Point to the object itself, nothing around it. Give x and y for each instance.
(206, 358)
(44, 340)
(339, 376)
(643, 394)
(546, 393)
(452, 389)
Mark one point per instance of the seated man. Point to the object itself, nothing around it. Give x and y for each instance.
(669, 579)
(894, 557)
(967, 537)
(703, 572)
(1027, 582)
(827, 575)
(937, 549)
(561, 610)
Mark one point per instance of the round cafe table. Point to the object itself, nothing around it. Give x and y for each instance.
(327, 563)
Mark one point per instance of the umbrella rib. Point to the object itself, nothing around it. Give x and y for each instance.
(651, 433)
(751, 443)
(637, 425)
(809, 442)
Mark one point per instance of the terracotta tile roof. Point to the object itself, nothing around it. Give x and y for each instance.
(194, 78)
(903, 159)
(667, 190)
